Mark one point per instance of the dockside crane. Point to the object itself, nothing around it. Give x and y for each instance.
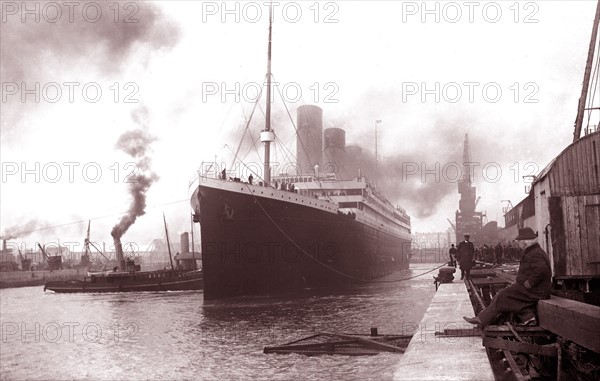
(54, 261)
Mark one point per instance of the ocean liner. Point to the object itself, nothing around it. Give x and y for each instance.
(317, 227)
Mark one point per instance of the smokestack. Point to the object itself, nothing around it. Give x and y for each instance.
(309, 142)
(334, 157)
(119, 253)
(353, 160)
(185, 243)
(4, 246)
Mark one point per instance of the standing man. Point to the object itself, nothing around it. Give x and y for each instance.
(452, 254)
(534, 281)
(466, 251)
(498, 251)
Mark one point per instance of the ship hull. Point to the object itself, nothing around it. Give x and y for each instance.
(165, 281)
(253, 244)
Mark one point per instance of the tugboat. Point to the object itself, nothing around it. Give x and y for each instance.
(127, 277)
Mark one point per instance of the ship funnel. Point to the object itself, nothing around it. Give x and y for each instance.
(119, 253)
(334, 156)
(309, 142)
(354, 159)
(185, 243)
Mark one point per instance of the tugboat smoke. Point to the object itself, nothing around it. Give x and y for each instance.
(136, 143)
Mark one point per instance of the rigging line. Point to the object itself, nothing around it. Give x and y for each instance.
(254, 141)
(410, 277)
(295, 128)
(323, 264)
(282, 148)
(224, 119)
(247, 126)
(251, 170)
(91, 219)
(249, 148)
(294, 158)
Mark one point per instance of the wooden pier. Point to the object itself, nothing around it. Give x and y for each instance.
(446, 357)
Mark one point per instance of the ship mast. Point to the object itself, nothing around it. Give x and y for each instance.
(168, 243)
(267, 136)
(586, 77)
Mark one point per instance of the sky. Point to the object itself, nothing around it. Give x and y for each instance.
(97, 94)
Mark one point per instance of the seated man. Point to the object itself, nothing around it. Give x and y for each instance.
(534, 280)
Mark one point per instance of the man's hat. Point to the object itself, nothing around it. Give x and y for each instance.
(526, 233)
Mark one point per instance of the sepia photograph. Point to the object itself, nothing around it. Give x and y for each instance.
(299, 190)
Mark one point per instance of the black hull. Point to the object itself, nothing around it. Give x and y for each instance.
(190, 281)
(259, 245)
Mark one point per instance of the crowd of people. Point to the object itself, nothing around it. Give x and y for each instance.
(497, 254)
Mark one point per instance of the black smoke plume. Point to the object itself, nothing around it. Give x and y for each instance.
(136, 144)
(42, 51)
(22, 230)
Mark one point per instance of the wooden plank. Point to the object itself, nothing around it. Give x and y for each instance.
(302, 339)
(571, 170)
(580, 151)
(577, 258)
(329, 345)
(559, 170)
(513, 366)
(495, 331)
(514, 331)
(589, 167)
(557, 235)
(593, 180)
(596, 153)
(573, 253)
(372, 343)
(575, 321)
(523, 330)
(353, 352)
(518, 347)
(592, 220)
(460, 332)
(583, 235)
(575, 153)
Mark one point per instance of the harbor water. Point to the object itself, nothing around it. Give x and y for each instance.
(177, 335)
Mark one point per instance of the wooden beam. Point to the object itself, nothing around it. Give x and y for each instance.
(372, 343)
(513, 366)
(572, 320)
(460, 332)
(519, 347)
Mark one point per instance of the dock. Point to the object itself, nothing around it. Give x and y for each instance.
(443, 357)
(11, 279)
